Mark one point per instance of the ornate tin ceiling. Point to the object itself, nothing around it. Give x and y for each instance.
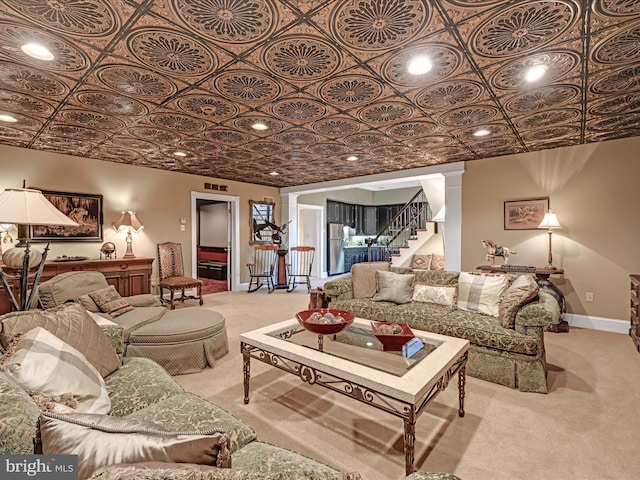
(134, 81)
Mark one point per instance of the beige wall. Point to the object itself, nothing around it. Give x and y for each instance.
(160, 197)
(594, 191)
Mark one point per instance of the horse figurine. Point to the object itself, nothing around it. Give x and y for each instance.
(494, 251)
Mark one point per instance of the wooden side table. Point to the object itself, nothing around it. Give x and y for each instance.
(542, 278)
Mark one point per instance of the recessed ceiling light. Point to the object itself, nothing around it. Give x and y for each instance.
(483, 132)
(37, 51)
(535, 73)
(7, 118)
(352, 158)
(273, 174)
(180, 154)
(419, 65)
(259, 126)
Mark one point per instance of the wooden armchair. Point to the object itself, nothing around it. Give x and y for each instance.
(171, 273)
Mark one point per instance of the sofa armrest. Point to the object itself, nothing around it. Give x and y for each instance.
(339, 289)
(544, 312)
(144, 300)
(115, 334)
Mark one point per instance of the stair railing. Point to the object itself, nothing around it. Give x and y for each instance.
(404, 226)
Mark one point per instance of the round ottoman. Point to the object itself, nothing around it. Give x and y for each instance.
(182, 341)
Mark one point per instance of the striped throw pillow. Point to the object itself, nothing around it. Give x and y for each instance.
(480, 292)
(44, 363)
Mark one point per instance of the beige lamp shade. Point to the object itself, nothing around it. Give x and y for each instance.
(550, 221)
(26, 206)
(128, 219)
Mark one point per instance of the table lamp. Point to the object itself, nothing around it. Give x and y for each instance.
(129, 221)
(23, 207)
(550, 221)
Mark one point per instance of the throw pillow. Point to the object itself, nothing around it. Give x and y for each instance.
(87, 302)
(437, 262)
(109, 301)
(421, 262)
(394, 287)
(102, 440)
(438, 294)
(363, 276)
(521, 291)
(479, 292)
(72, 324)
(45, 363)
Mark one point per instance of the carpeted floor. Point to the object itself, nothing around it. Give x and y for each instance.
(586, 428)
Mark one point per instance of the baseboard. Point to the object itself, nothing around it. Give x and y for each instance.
(597, 323)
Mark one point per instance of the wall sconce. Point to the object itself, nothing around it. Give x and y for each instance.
(24, 207)
(550, 221)
(129, 221)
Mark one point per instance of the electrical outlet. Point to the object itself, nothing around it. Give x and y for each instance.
(589, 297)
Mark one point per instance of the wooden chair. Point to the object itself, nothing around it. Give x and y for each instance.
(262, 267)
(171, 273)
(299, 266)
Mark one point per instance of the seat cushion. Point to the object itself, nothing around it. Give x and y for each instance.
(366, 308)
(180, 282)
(266, 458)
(191, 412)
(138, 383)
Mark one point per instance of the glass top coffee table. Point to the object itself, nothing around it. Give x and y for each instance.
(353, 363)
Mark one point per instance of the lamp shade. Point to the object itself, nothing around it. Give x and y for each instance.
(550, 221)
(128, 219)
(26, 206)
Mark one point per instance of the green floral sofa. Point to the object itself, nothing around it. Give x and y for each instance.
(514, 357)
(140, 389)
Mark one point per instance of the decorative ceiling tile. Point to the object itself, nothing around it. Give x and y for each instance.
(136, 81)
(230, 22)
(522, 28)
(375, 25)
(67, 56)
(131, 82)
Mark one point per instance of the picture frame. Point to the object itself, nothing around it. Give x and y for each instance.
(85, 209)
(525, 214)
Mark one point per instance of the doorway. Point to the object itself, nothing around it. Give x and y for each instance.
(214, 240)
(310, 233)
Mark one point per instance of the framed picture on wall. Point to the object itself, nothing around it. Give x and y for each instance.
(84, 209)
(524, 214)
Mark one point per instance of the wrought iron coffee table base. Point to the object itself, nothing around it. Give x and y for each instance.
(409, 412)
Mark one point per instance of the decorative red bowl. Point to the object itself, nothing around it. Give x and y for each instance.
(392, 342)
(305, 319)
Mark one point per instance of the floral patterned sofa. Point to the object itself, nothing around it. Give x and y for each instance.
(513, 356)
(141, 390)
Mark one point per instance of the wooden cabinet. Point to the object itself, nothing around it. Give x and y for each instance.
(634, 330)
(370, 220)
(130, 276)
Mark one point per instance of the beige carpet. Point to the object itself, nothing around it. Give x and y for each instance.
(587, 427)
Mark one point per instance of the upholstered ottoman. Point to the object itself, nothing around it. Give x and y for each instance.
(182, 341)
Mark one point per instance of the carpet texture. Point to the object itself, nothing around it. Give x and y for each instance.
(586, 427)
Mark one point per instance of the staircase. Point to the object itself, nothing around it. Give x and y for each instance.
(407, 231)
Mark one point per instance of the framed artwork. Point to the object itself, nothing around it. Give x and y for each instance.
(524, 214)
(84, 209)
